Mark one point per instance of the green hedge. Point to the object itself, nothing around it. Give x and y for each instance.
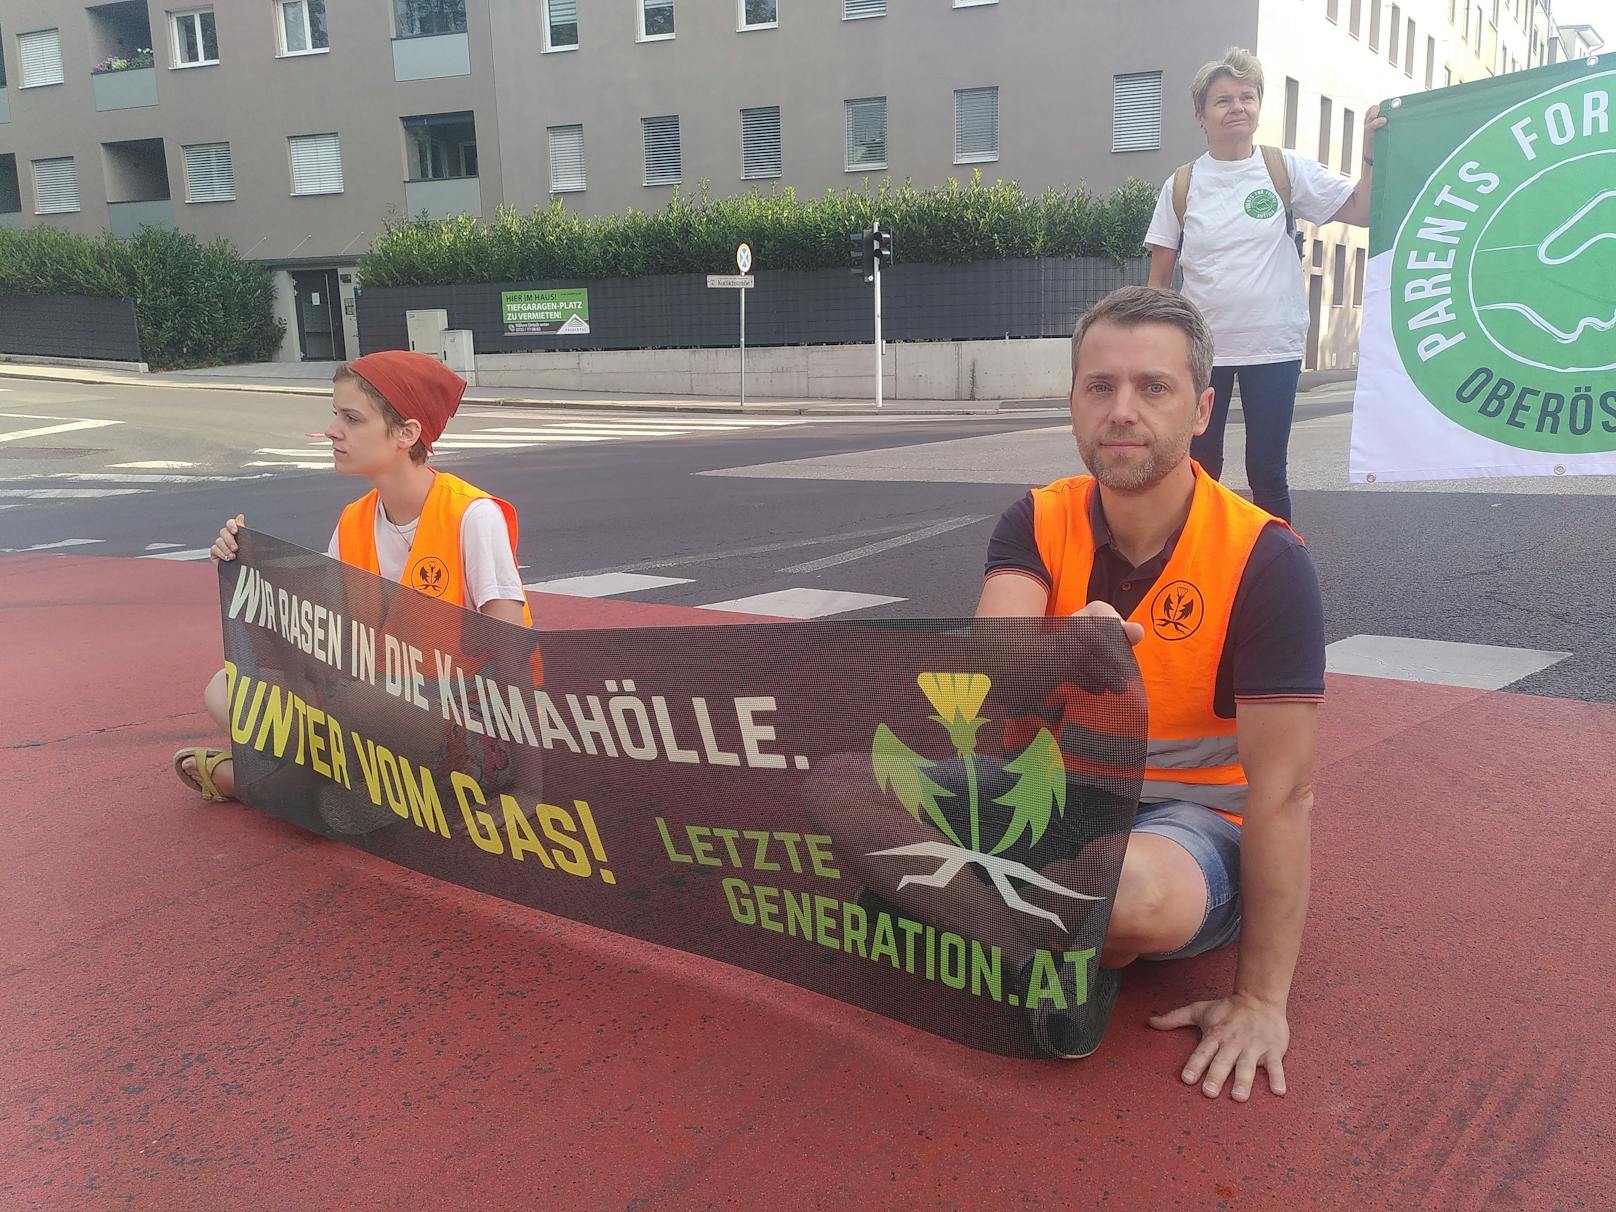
(197, 304)
(698, 234)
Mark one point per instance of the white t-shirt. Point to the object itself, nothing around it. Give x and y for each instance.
(1239, 266)
(485, 550)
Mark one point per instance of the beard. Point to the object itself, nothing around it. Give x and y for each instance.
(1160, 457)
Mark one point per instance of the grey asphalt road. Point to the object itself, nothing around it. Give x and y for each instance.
(728, 508)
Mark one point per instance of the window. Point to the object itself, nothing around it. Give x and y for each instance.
(1430, 62)
(440, 146)
(567, 160)
(852, 10)
(1393, 34)
(3, 67)
(664, 164)
(1408, 50)
(422, 18)
(10, 186)
(41, 55)
(1325, 109)
(209, 174)
(1349, 134)
(976, 125)
(866, 133)
(1332, 11)
(195, 40)
(1357, 278)
(759, 14)
(1136, 109)
(302, 27)
(560, 25)
(1374, 25)
(760, 142)
(316, 164)
(1475, 30)
(56, 186)
(1355, 21)
(656, 19)
(1338, 284)
(1293, 102)
(1318, 254)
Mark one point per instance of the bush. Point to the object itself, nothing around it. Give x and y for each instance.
(196, 304)
(698, 234)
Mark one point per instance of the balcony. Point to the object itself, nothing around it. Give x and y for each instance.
(444, 199)
(120, 33)
(127, 218)
(133, 89)
(137, 185)
(431, 56)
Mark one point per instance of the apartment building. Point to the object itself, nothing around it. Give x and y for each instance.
(295, 128)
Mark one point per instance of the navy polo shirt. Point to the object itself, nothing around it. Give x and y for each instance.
(1275, 645)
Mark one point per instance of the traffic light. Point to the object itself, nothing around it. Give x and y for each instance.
(859, 252)
(883, 237)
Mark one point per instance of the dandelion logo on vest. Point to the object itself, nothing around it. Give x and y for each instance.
(429, 575)
(1177, 610)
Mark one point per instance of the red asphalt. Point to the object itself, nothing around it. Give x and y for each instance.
(205, 1008)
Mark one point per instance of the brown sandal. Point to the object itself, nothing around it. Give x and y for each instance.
(201, 779)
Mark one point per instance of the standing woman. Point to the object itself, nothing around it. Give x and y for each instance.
(1229, 221)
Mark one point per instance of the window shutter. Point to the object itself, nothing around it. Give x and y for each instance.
(760, 142)
(209, 174)
(56, 186)
(567, 159)
(863, 8)
(1136, 112)
(867, 133)
(976, 125)
(663, 163)
(41, 54)
(316, 164)
(563, 28)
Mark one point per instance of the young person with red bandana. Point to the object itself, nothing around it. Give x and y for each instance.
(419, 526)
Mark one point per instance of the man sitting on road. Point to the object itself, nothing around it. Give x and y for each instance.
(1222, 605)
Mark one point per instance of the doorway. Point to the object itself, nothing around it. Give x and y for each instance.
(319, 316)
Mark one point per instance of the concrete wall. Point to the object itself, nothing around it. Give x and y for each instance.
(921, 370)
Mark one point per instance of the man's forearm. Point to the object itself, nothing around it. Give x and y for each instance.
(1275, 862)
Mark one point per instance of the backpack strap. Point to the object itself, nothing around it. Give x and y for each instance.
(1181, 196)
(1278, 174)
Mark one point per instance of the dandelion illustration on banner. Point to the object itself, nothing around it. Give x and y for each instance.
(1038, 795)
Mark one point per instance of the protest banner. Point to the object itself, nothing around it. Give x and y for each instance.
(1489, 331)
(925, 819)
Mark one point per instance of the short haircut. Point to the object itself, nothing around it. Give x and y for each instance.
(1136, 306)
(1237, 63)
(347, 374)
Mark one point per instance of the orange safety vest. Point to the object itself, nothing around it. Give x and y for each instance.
(1192, 752)
(435, 566)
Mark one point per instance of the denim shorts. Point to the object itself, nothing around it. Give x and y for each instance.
(1214, 841)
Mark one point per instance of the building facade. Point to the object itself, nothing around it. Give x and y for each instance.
(296, 128)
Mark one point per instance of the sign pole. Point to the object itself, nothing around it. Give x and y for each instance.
(877, 327)
(743, 348)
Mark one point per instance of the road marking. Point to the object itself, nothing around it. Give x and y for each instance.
(1438, 662)
(136, 477)
(156, 465)
(757, 549)
(62, 494)
(46, 430)
(54, 546)
(162, 546)
(195, 553)
(605, 585)
(802, 603)
(299, 453)
(870, 549)
(275, 463)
